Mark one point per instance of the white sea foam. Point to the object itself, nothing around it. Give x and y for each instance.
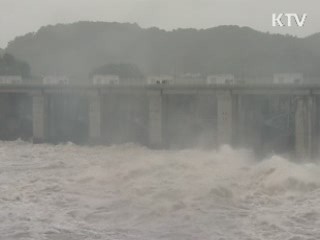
(130, 192)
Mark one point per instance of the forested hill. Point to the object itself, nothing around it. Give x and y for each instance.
(313, 43)
(76, 49)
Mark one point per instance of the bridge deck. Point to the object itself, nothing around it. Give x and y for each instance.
(241, 89)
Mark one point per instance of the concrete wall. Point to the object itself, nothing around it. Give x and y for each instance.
(228, 116)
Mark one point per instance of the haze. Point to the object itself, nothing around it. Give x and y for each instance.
(19, 17)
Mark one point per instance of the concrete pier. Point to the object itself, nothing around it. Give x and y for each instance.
(40, 117)
(225, 127)
(241, 122)
(304, 127)
(155, 119)
(95, 117)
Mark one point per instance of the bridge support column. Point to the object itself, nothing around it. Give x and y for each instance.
(40, 117)
(95, 117)
(225, 118)
(304, 127)
(155, 119)
(241, 122)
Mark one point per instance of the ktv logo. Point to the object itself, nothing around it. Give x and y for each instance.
(288, 19)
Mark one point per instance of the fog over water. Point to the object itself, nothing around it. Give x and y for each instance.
(131, 192)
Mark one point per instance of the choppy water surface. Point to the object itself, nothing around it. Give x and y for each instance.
(68, 192)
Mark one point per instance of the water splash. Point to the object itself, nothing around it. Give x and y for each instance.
(130, 192)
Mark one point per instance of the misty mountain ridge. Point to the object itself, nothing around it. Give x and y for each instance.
(77, 49)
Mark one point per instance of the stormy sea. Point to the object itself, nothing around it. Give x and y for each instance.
(70, 192)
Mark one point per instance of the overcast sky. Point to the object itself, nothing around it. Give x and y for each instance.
(18, 17)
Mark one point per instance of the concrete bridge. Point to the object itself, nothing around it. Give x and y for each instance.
(265, 117)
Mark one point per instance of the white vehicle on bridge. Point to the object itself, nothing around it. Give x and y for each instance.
(161, 79)
(288, 78)
(221, 79)
(14, 79)
(55, 80)
(189, 79)
(106, 79)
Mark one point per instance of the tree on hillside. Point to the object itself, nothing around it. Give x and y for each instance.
(11, 66)
(123, 70)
